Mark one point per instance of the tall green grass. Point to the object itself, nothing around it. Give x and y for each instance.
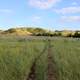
(17, 55)
(66, 54)
(16, 58)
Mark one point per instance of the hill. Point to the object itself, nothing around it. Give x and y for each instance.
(26, 31)
(30, 31)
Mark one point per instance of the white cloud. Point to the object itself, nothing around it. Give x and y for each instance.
(5, 11)
(36, 18)
(68, 10)
(74, 3)
(70, 19)
(42, 4)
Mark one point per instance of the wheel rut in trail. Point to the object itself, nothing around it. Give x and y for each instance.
(51, 73)
(32, 74)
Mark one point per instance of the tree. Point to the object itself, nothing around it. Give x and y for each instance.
(10, 30)
(77, 34)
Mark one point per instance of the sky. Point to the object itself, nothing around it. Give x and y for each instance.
(48, 14)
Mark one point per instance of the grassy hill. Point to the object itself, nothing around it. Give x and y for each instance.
(29, 31)
(25, 31)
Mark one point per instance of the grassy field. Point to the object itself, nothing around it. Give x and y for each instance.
(67, 57)
(17, 55)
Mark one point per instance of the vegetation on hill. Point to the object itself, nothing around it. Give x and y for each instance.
(40, 32)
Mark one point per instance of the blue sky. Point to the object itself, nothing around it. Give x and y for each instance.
(50, 14)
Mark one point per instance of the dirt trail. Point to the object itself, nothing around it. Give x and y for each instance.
(51, 71)
(51, 66)
(32, 73)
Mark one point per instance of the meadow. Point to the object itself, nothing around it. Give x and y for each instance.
(17, 55)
